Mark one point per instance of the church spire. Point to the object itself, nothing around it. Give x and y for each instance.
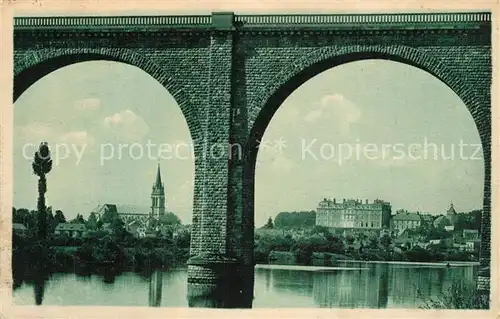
(158, 183)
(451, 210)
(158, 197)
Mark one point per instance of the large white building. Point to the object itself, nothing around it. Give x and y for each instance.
(353, 214)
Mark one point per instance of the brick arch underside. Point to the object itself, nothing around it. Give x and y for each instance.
(297, 72)
(288, 79)
(38, 63)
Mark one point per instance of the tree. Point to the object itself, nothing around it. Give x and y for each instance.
(349, 239)
(295, 219)
(59, 217)
(374, 242)
(78, 220)
(42, 165)
(92, 222)
(335, 245)
(109, 215)
(386, 241)
(50, 220)
(117, 225)
(269, 223)
(23, 216)
(170, 219)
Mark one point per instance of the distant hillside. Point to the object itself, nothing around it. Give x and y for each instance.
(302, 219)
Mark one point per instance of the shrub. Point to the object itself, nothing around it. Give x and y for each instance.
(460, 295)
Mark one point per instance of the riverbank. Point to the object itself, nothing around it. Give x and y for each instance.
(394, 263)
(444, 263)
(305, 268)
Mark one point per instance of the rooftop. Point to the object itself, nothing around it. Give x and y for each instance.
(442, 219)
(351, 202)
(123, 209)
(407, 216)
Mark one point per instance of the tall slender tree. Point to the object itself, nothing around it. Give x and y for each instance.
(42, 165)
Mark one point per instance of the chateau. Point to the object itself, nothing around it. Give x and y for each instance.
(353, 214)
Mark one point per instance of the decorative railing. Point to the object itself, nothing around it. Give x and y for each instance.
(175, 21)
(391, 18)
(256, 21)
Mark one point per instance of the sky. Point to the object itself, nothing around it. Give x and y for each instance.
(399, 125)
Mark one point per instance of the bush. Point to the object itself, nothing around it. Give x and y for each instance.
(459, 296)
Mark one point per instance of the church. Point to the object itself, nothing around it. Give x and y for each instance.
(140, 220)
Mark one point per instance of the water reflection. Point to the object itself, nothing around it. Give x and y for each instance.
(155, 288)
(39, 286)
(234, 291)
(366, 286)
(373, 286)
(361, 288)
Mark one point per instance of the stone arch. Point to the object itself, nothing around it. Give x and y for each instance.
(38, 63)
(273, 93)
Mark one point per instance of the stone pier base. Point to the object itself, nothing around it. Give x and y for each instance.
(219, 283)
(483, 284)
(483, 280)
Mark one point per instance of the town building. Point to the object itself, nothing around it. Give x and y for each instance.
(406, 220)
(473, 246)
(71, 230)
(448, 220)
(353, 214)
(470, 234)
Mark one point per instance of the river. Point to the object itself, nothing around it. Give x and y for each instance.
(350, 285)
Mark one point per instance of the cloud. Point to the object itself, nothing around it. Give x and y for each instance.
(290, 114)
(87, 104)
(283, 163)
(79, 138)
(127, 125)
(313, 115)
(36, 131)
(274, 162)
(337, 110)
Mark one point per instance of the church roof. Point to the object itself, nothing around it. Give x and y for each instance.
(122, 209)
(101, 209)
(132, 209)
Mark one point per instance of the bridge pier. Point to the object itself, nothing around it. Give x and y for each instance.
(216, 281)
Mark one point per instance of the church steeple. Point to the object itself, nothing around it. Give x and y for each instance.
(451, 210)
(158, 183)
(158, 196)
(451, 214)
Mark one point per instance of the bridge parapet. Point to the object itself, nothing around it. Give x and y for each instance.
(274, 21)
